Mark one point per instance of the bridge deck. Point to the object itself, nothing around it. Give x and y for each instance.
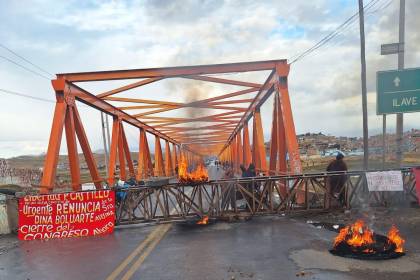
(263, 248)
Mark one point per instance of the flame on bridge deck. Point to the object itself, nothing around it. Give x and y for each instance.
(199, 175)
(203, 221)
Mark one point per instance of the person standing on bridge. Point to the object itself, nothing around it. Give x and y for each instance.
(336, 183)
(251, 170)
(243, 170)
(230, 194)
(251, 187)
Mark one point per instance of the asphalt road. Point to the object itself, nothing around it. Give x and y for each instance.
(262, 248)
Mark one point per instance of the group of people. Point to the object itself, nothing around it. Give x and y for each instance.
(250, 172)
(246, 172)
(335, 183)
(231, 195)
(224, 164)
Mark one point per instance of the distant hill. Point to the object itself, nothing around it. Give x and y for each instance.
(37, 161)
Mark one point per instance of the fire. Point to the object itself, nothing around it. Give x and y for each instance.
(197, 176)
(395, 237)
(358, 235)
(203, 221)
(355, 235)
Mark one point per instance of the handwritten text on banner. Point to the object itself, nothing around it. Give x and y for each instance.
(63, 215)
(384, 181)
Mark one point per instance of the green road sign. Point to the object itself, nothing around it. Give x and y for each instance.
(398, 91)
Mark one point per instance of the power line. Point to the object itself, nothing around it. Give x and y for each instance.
(26, 95)
(332, 34)
(26, 60)
(344, 29)
(24, 67)
(81, 105)
(340, 29)
(383, 7)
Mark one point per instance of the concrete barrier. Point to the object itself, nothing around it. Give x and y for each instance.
(8, 214)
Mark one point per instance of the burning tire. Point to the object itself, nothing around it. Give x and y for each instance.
(359, 242)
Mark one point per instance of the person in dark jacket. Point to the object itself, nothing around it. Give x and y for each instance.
(251, 170)
(336, 183)
(243, 170)
(229, 195)
(176, 170)
(251, 187)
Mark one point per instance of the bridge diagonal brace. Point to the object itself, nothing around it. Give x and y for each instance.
(87, 151)
(127, 153)
(73, 155)
(51, 159)
(66, 115)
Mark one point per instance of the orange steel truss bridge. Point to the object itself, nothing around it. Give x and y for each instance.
(221, 129)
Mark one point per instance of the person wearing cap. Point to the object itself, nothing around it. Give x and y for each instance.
(230, 195)
(336, 183)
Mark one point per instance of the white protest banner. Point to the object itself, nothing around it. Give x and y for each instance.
(384, 181)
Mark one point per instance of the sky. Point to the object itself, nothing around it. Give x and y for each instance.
(77, 36)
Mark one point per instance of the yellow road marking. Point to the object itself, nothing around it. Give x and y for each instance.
(162, 229)
(136, 251)
(143, 256)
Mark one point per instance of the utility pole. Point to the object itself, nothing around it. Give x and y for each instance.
(104, 141)
(400, 118)
(107, 132)
(383, 140)
(364, 90)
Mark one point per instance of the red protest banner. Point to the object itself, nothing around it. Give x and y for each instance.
(63, 215)
(417, 176)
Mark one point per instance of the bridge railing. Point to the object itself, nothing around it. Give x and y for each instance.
(253, 196)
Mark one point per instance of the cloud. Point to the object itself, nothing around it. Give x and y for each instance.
(67, 36)
(176, 12)
(101, 16)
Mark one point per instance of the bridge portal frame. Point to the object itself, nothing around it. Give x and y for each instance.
(66, 116)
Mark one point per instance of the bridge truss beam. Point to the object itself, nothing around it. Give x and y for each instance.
(223, 131)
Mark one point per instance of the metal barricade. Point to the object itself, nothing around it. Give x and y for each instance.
(259, 196)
